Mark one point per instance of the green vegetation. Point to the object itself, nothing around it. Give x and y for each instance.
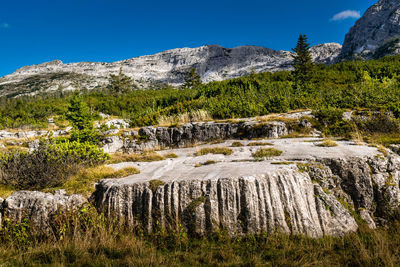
(260, 144)
(146, 156)
(82, 121)
(83, 182)
(302, 61)
(51, 165)
(214, 150)
(86, 238)
(208, 162)
(327, 143)
(267, 153)
(171, 156)
(371, 85)
(237, 144)
(154, 184)
(192, 79)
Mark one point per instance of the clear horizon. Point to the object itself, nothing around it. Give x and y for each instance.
(104, 31)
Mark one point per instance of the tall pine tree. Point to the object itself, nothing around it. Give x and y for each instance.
(302, 61)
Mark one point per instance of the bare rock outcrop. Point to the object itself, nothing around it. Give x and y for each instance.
(38, 207)
(285, 201)
(307, 190)
(192, 133)
(376, 33)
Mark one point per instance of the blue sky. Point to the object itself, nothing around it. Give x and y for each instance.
(32, 32)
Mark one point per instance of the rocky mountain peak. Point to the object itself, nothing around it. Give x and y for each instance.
(374, 31)
(212, 63)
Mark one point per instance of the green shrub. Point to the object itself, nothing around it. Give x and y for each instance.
(48, 166)
(267, 152)
(215, 150)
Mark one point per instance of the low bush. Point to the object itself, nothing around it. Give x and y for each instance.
(328, 143)
(83, 182)
(260, 144)
(215, 150)
(237, 144)
(147, 156)
(266, 153)
(48, 166)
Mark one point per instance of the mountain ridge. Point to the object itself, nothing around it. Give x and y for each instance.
(212, 63)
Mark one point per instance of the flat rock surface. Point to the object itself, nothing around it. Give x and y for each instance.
(240, 163)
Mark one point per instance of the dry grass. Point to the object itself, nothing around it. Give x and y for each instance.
(260, 144)
(267, 153)
(270, 118)
(83, 182)
(383, 150)
(102, 245)
(6, 191)
(283, 163)
(328, 143)
(147, 156)
(237, 144)
(208, 162)
(171, 156)
(214, 150)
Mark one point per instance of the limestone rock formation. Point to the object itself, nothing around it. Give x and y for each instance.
(281, 200)
(212, 62)
(39, 207)
(308, 189)
(375, 34)
(191, 133)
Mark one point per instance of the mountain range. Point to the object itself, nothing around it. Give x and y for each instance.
(374, 35)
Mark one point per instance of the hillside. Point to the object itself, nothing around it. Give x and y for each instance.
(212, 63)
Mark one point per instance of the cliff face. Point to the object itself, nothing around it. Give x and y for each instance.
(212, 63)
(376, 33)
(283, 200)
(309, 190)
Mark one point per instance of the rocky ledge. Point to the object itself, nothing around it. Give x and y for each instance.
(308, 189)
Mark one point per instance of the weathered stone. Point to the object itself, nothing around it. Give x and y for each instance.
(212, 63)
(370, 34)
(39, 207)
(283, 201)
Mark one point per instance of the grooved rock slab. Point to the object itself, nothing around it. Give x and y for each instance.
(283, 200)
(39, 207)
(307, 190)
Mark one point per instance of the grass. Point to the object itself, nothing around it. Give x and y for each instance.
(260, 144)
(383, 150)
(171, 156)
(237, 144)
(154, 184)
(6, 191)
(147, 156)
(384, 139)
(267, 153)
(283, 163)
(208, 162)
(328, 143)
(214, 150)
(104, 244)
(83, 182)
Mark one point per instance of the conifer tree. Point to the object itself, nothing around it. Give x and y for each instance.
(302, 61)
(192, 79)
(120, 83)
(81, 119)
